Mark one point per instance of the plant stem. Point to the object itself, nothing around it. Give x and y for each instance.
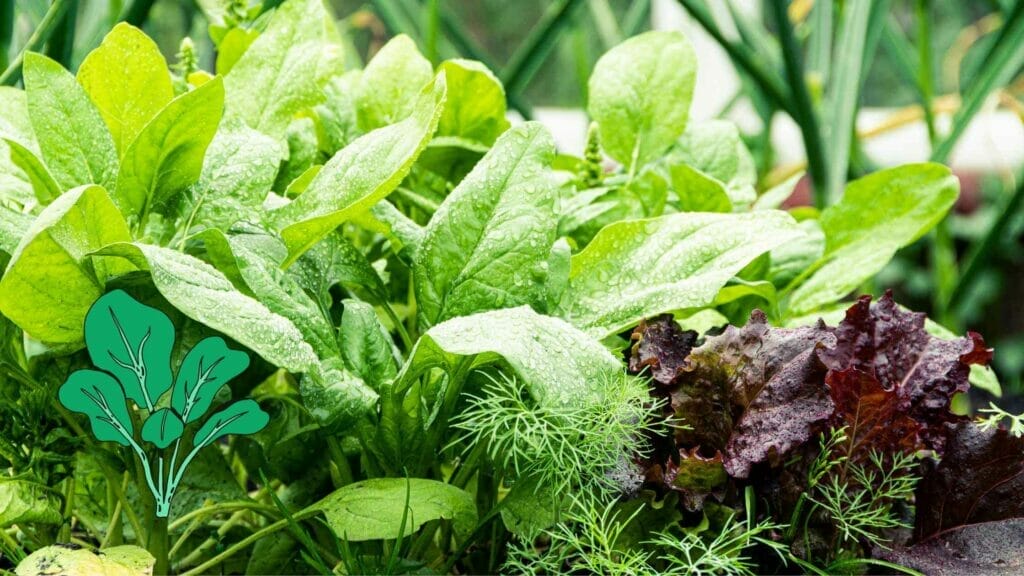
(534, 50)
(925, 65)
(157, 545)
(69, 506)
(47, 25)
(805, 114)
(6, 31)
(247, 541)
(62, 42)
(983, 249)
(844, 93)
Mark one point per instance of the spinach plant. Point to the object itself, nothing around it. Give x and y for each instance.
(467, 346)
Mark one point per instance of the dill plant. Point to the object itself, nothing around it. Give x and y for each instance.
(589, 445)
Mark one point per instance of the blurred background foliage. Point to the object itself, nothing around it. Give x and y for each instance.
(933, 62)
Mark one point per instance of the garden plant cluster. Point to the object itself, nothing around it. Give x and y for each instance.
(290, 318)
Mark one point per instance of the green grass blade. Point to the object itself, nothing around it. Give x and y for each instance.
(762, 75)
(844, 93)
(42, 34)
(805, 114)
(534, 50)
(639, 13)
(605, 23)
(1003, 60)
(820, 41)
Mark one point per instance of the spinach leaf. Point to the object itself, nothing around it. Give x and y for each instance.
(639, 268)
(207, 367)
(475, 108)
(639, 94)
(73, 139)
(126, 78)
(391, 82)
(162, 427)
(366, 345)
(487, 245)
(242, 417)
(97, 395)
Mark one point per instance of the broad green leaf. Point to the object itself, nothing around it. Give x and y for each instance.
(238, 171)
(878, 214)
(23, 501)
(529, 507)
(337, 117)
(167, 155)
(49, 284)
(232, 46)
(715, 149)
(126, 77)
(242, 417)
(14, 120)
(359, 175)
(133, 342)
(391, 83)
(13, 226)
(202, 293)
(285, 68)
(373, 509)
(639, 268)
(207, 367)
(643, 196)
(303, 152)
(63, 559)
(792, 258)
(44, 186)
(560, 364)
(256, 257)
(336, 397)
(639, 94)
(366, 345)
(696, 191)
(475, 108)
(487, 245)
(73, 139)
(162, 427)
(335, 260)
(97, 395)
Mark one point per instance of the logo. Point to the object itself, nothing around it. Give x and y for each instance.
(131, 344)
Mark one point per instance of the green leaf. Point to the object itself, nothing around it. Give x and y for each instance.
(560, 364)
(64, 559)
(238, 171)
(475, 108)
(366, 345)
(13, 226)
(639, 94)
(202, 293)
(487, 245)
(640, 268)
(716, 150)
(335, 260)
(74, 141)
(878, 214)
(242, 417)
(44, 186)
(15, 123)
(256, 257)
(207, 368)
(391, 83)
(336, 397)
(696, 191)
(167, 156)
(529, 507)
(126, 78)
(284, 69)
(49, 285)
(359, 175)
(303, 152)
(232, 46)
(337, 121)
(23, 501)
(97, 395)
(133, 342)
(792, 258)
(162, 427)
(373, 509)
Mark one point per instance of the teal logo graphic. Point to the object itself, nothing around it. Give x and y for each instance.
(131, 345)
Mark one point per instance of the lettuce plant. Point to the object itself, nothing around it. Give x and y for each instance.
(449, 344)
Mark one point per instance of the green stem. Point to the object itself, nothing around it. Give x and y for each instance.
(403, 333)
(534, 50)
(248, 541)
(62, 42)
(69, 506)
(157, 545)
(979, 253)
(925, 65)
(6, 31)
(47, 26)
(750, 62)
(200, 513)
(806, 116)
(431, 28)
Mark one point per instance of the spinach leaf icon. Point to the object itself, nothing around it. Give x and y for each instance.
(131, 345)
